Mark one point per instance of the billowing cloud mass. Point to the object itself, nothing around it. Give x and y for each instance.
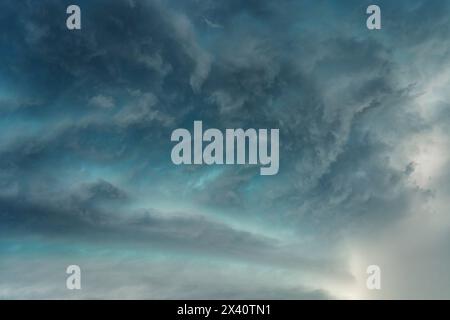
(86, 176)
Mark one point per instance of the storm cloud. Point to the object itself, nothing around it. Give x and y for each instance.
(85, 170)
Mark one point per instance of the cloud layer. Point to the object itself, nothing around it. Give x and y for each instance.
(85, 170)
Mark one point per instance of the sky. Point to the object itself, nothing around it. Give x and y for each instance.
(86, 176)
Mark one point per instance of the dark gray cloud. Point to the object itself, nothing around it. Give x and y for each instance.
(86, 118)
